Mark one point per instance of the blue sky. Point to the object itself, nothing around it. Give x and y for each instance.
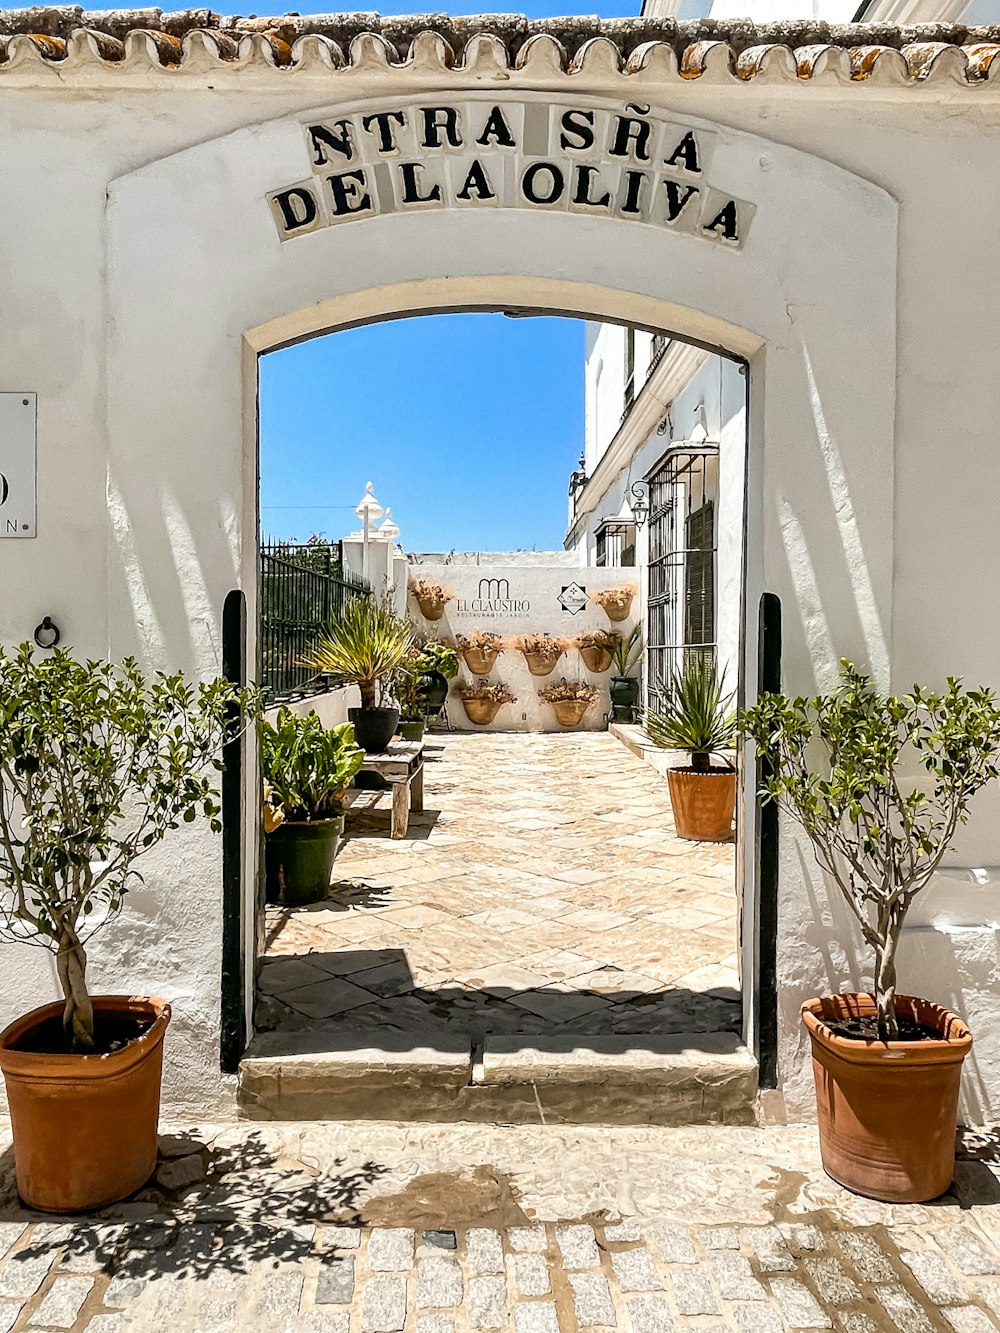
(467, 425)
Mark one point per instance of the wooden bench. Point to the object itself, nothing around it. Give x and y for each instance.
(401, 765)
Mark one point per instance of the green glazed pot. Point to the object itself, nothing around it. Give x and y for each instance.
(412, 730)
(298, 861)
(433, 688)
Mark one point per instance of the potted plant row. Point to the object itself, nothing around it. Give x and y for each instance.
(483, 701)
(365, 645)
(432, 597)
(541, 652)
(98, 764)
(306, 769)
(881, 810)
(696, 715)
(570, 700)
(421, 685)
(480, 650)
(616, 603)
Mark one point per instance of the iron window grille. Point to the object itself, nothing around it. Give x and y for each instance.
(615, 544)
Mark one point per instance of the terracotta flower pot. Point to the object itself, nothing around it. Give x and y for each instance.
(541, 664)
(430, 609)
(887, 1110)
(569, 712)
(481, 711)
(619, 609)
(481, 661)
(703, 803)
(596, 659)
(84, 1125)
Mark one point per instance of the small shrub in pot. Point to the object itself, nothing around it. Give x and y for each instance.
(880, 784)
(98, 764)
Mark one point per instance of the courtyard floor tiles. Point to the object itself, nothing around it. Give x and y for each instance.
(542, 886)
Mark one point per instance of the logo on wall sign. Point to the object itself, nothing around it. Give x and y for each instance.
(573, 598)
(494, 589)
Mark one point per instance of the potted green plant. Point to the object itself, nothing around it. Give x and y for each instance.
(480, 648)
(483, 701)
(98, 763)
(432, 597)
(438, 664)
(695, 714)
(893, 781)
(306, 769)
(570, 700)
(624, 689)
(616, 603)
(365, 645)
(597, 647)
(541, 652)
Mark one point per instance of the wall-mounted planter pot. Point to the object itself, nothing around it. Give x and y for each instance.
(481, 661)
(481, 711)
(619, 609)
(703, 803)
(430, 610)
(887, 1110)
(84, 1125)
(298, 861)
(596, 659)
(541, 664)
(569, 712)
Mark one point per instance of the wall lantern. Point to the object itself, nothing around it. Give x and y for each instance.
(639, 503)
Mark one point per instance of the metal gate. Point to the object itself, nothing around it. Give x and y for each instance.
(683, 493)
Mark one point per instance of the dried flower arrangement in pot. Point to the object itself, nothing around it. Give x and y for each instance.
(597, 649)
(432, 597)
(480, 648)
(541, 652)
(615, 602)
(483, 701)
(570, 699)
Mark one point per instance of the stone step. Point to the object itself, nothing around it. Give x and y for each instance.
(689, 1078)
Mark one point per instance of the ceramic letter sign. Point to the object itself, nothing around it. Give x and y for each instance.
(627, 164)
(17, 465)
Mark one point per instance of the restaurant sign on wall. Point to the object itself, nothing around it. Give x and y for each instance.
(626, 164)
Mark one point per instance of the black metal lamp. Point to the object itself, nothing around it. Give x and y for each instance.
(639, 503)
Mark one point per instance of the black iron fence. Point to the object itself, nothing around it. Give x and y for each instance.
(301, 588)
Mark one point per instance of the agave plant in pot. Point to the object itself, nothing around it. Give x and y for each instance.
(98, 764)
(894, 780)
(365, 645)
(695, 714)
(306, 769)
(624, 689)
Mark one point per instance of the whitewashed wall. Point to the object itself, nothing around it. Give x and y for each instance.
(144, 274)
(534, 592)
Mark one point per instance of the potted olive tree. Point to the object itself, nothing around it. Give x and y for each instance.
(880, 784)
(306, 769)
(696, 715)
(365, 645)
(98, 763)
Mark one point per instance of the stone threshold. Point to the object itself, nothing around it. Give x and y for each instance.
(682, 1079)
(635, 739)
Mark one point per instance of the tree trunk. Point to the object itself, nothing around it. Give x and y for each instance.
(369, 698)
(885, 984)
(78, 1015)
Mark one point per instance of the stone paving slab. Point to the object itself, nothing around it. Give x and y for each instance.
(392, 1228)
(542, 890)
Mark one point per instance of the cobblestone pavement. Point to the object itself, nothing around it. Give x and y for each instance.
(543, 889)
(386, 1228)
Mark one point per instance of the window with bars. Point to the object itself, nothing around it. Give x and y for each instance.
(616, 544)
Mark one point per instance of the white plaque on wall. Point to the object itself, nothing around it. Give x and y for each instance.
(17, 464)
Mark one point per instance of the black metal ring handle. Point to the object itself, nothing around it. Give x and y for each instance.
(47, 633)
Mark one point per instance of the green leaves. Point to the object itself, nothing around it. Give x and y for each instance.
(363, 646)
(626, 651)
(695, 714)
(307, 765)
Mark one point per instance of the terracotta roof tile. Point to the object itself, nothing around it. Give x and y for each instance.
(716, 50)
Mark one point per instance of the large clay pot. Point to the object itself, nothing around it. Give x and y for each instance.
(703, 803)
(298, 861)
(374, 728)
(887, 1110)
(481, 661)
(84, 1125)
(541, 664)
(596, 659)
(569, 712)
(619, 609)
(481, 711)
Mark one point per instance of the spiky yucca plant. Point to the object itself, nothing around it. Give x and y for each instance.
(696, 715)
(364, 645)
